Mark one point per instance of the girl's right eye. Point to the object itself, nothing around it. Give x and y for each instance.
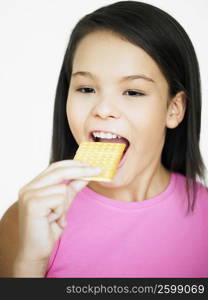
(86, 90)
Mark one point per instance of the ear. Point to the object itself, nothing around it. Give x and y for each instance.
(176, 110)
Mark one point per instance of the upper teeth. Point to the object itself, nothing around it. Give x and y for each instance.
(105, 135)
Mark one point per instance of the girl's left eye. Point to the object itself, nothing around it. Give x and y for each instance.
(86, 90)
(134, 93)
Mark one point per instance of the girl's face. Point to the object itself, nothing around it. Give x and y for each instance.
(117, 87)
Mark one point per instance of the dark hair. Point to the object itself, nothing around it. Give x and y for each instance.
(164, 39)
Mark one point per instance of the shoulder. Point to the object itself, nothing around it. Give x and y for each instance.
(198, 192)
(9, 238)
(11, 211)
(203, 192)
(201, 199)
(10, 217)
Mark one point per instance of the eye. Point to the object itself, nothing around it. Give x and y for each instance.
(86, 90)
(134, 93)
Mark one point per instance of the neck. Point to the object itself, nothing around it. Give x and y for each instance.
(147, 184)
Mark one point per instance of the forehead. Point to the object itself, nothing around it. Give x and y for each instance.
(107, 54)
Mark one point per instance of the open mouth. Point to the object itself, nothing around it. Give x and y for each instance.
(111, 140)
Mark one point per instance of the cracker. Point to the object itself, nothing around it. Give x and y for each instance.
(105, 155)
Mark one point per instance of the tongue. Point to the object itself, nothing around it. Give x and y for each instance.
(116, 140)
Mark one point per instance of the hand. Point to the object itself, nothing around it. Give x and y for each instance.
(43, 204)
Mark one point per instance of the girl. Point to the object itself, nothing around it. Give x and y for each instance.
(129, 70)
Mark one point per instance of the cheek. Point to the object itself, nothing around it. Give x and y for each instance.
(150, 123)
(75, 119)
(77, 108)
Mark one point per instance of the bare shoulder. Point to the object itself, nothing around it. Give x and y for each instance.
(9, 239)
(10, 217)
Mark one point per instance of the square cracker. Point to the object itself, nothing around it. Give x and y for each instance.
(105, 155)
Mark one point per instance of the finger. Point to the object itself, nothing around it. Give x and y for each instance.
(66, 162)
(58, 175)
(56, 189)
(44, 206)
(56, 229)
(61, 163)
(63, 221)
(56, 213)
(45, 191)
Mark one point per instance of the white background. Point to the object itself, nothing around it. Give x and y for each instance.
(33, 38)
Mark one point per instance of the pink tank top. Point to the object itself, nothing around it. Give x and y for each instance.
(153, 238)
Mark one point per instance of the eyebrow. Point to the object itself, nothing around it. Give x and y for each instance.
(125, 78)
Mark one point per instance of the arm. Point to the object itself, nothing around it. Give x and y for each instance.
(8, 238)
(10, 265)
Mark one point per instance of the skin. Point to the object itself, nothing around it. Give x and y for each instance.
(108, 105)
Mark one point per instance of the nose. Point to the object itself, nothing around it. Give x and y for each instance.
(105, 109)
